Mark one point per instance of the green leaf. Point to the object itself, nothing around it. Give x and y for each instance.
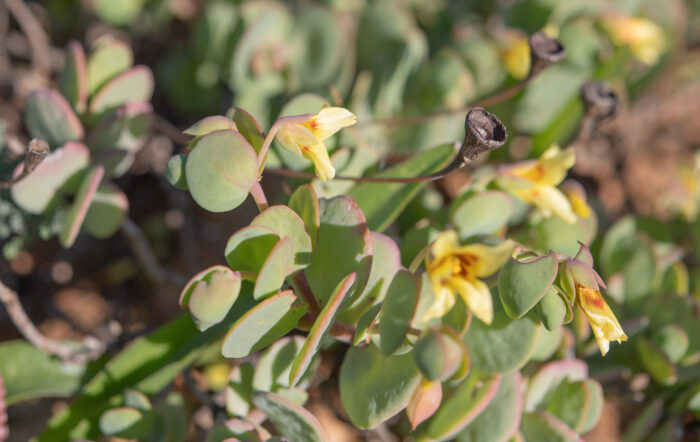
(30, 373)
(551, 309)
(125, 422)
(148, 364)
(656, 363)
(209, 295)
(521, 285)
(76, 214)
(107, 211)
(305, 203)
(73, 80)
(438, 355)
(556, 235)
(267, 321)
(547, 344)
(373, 387)
(320, 329)
(173, 412)
(248, 248)
(634, 259)
(672, 340)
(220, 170)
(364, 323)
(503, 346)
(386, 262)
(274, 365)
(594, 410)
(383, 202)
(343, 239)
(397, 311)
(126, 128)
(275, 269)
(248, 127)
(286, 223)
(483, 213)
(291, 420)
(549, 376)
(49, 117)
(134, 85)
(108, 58)
(317, 44)
(501, 418)
(118, 13)
(469, 400)
(175, 171)
(541, 425)
(210, 124)
(60, 170)
(569, 403)
(239, 392)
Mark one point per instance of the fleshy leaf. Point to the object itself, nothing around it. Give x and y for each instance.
(108, 58)
(483, 213)
(125, 422)
(210, 124)
(73, 81)
(286, 223)
(291, 420)
(397, 311)
(220, 170)
(267, 321)
(373, 387)
(75, 216)
(210, 298)
(320, 329)
(134, 85)
(275, 269)
(549, 376)
(305, 203)
(521, 285)
(108, 210)
(49, 117)
(248, 248)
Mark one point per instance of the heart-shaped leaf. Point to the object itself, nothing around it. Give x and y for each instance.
(549, 376)
(248, 248)
(344, 240)
(503, 346)
(291, 420)
(468, 401)
(286, 223)
(220, 171)
(134, 85)
(107, 211)
(275, 269)
(210, 124)
(49, 117)
(210, 297)
(501, 418)
(269, 320)
(397, 311)
(438, 355)
(59, 170)
(78, 211)
(482, 213)
(73, 81)
(320, 329)
(373, 387)
(521, 285)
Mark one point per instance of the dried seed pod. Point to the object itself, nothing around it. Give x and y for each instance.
(544, 51)
(602, 103)
(483, 132)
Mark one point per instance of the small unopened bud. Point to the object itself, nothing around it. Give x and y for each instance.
(544, 51)
(483, 132)
(602, 103)
(37, 151)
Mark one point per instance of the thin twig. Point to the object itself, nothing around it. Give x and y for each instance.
(301, 286)
(168, 129)
(91, 348)
(147, 259)
(38, 40)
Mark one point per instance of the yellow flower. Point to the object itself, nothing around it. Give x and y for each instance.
(515, 53)
(454, 270)
(306, 139)
(576, 194)
(585, 282)
(644, 37)
(535, 181)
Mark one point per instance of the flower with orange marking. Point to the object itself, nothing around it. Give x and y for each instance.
(454, 269)
(306, 139)
(580, 279)
(535, 181)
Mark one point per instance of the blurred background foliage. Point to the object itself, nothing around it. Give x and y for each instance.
(390, 62)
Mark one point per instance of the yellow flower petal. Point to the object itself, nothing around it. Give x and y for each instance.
(489, 258)
(645, 38)
(322, 162)
(516, 54)
(446, 243)
(605, 326)
(293, 137)
(550, 201)
(443, 303)
(477, 296)
(330, 120)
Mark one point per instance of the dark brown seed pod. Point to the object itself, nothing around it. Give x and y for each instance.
(601, 102)
(544, 51)
(483, 132)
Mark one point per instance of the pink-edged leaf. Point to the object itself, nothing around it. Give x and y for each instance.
(549, 376)
(73, 79)
(49, 117)
(320, 328)
(76, 214)
(134, 85)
